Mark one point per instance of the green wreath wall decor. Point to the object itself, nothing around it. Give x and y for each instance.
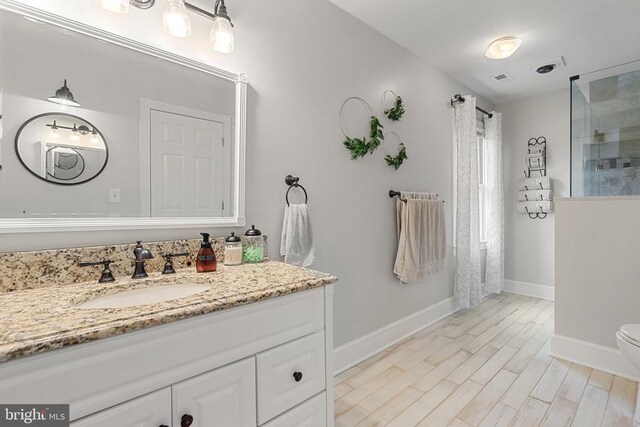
(359, 147)
(396, 112)
(398, 160)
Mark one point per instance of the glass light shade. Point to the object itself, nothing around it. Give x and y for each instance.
(94, 137)
(116, 6)
(54, 133)
(74, 135)
(221, 38)
(175, 20)
(503, 48)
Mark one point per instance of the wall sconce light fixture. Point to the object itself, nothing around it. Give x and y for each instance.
(176, 20)
(64, 96)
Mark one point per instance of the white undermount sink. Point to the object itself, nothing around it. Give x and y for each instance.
(144, 296)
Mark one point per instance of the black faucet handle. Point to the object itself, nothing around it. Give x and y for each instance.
(107, 274)
(168, 266)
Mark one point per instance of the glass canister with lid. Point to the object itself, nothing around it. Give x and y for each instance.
(232, 250)
(253, 248)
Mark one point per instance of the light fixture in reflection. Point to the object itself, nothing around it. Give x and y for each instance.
(116, 6)
(503, 48)
(64, 96)
(94, 137)
(221, 38)
(55, 134)
(74, 133)
(175, 20)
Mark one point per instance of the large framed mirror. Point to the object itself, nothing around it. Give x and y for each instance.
(105, 133)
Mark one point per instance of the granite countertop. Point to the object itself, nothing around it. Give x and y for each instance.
(38, 320)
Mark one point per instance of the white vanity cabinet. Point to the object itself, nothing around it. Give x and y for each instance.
(152, 410)
(263, 364)
(224, 397)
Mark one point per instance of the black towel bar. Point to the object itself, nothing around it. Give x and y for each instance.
(393, 193)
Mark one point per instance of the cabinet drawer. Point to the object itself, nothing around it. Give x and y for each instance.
(290, 374)
(224, 397)
(152, 410)
(312, 413)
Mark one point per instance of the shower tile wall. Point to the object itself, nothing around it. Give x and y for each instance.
(610, 142)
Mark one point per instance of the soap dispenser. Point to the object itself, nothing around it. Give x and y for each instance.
(206, 259)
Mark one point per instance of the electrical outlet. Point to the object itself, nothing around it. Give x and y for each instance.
(114, 195)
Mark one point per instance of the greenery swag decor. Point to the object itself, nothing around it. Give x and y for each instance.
(360, 147)
(395, 113)
(398, 160)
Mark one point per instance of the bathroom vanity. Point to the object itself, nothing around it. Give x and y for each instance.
(255, 348)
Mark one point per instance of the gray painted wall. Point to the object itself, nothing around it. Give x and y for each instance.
(302, 63)
(529, 244)
(597, 274)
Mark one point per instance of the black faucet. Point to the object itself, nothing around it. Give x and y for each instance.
(141, 255)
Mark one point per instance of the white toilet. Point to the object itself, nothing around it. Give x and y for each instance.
(628, 338)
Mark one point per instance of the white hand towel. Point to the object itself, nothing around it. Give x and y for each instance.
(538, 183)
(534, 195)
(535, 207)
(421, 237)
(297, 246)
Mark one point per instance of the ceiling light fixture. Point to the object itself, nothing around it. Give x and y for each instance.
(503, 48)
(64, 96)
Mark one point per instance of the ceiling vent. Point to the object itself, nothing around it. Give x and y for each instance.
(503, 77)
(547, 67)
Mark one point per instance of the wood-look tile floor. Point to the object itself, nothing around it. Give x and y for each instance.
(489, 366)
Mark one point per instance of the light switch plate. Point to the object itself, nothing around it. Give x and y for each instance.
(114, 195)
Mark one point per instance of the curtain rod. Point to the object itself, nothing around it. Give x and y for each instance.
(459, 98)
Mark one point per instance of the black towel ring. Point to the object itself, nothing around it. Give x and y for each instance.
(292, 181)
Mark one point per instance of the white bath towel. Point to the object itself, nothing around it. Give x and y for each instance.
(535, 207)
(421, 237)
(535, 162)
(537, 183)
(534, 195)
(296, 245)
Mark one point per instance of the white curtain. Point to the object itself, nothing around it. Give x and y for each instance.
(494, 276)
(467, 289)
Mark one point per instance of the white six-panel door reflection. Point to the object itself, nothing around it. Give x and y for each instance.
(187, 165)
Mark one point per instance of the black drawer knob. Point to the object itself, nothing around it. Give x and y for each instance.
(164, 425)
(186, 420)
(297, 376)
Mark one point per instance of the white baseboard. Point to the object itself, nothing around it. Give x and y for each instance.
(354, 352)
(529, 289)
(595, 356)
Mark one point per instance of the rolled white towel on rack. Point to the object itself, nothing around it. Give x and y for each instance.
(535, 162)
(535, 195)
(544, 206)
(536, 183)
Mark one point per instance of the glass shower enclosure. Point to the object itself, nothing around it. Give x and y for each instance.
(605, 132)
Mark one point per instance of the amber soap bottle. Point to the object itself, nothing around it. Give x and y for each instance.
(206, 259)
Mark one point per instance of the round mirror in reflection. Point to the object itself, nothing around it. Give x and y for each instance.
(61, 148)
